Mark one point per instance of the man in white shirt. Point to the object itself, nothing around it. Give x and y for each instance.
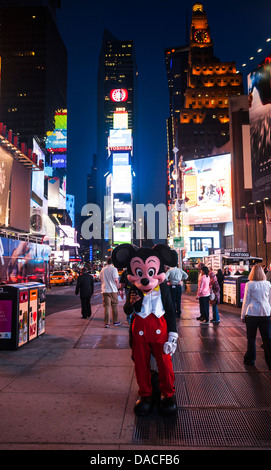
(110, 285)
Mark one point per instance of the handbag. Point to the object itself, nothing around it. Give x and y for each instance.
(212, 295)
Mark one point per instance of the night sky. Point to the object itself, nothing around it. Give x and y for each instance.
(238, 30)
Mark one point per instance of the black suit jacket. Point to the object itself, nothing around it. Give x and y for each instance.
(85, 285)
(166, 301)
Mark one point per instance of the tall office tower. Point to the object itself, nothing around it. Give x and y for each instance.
(33, 67)
(201, 213)
(116, 135)
(204, 118)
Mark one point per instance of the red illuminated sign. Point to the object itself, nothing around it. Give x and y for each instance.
(119, 94)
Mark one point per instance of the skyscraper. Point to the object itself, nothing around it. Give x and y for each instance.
(116, 140)
(204, 119)
(33, 67)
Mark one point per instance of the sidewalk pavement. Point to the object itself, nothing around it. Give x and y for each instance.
(74, 388)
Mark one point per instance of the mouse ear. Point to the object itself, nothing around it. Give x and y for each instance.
(166, 255)
(121, 255)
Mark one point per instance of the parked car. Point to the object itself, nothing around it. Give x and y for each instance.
(59, 278)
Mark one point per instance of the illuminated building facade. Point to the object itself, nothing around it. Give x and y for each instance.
(210, 83)
(33, 103)
(201, 131)
(116, 160)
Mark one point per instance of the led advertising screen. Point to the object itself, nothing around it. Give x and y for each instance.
(37, 184)
(6, 162)
(119, 95)
(59, 160)
(122, 179)
(121, 158)
(122, 208)
(61, 120)
(259, 89)
(122, 235)
(207, 183)
(120, 120)
(56, 139)
(120, 139)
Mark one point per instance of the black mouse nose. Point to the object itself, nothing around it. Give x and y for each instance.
(145, 281)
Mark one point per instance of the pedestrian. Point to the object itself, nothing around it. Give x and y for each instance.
(176, 277)
(268, 274)
(85, 286)
(255, 314)
(220, 280)
(109, 285)
(215, 290)
(203, 295)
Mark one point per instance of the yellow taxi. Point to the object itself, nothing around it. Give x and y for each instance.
(59, 278)
(70, 276)
(72, 273)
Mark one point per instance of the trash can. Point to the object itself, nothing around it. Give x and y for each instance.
(14, 304)
(22, 313)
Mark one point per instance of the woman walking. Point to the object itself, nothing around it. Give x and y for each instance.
(256, 314)
(203, 295)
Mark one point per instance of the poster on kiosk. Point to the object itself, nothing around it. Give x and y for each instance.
(23, 317)
(33, 313)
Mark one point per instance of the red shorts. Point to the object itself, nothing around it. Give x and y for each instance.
(148, 337)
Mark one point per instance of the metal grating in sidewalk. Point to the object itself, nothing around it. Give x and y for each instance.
(208, 428)
(222, 404)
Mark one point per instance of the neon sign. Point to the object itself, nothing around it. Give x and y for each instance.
(119, 94)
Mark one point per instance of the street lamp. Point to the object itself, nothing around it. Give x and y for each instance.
(179, 167)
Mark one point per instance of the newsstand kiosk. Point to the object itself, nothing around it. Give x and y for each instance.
(19, 307)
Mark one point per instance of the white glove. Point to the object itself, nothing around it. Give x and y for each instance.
(171, 345)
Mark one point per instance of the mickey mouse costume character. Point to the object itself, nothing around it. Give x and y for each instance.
(153, 327)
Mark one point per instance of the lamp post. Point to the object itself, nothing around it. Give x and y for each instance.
(179, 167)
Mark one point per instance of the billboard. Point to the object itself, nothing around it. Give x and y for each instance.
(122, 179)
(56, 140)
(259, 89)
(21, 261)
(6, 162)
(120, 139)
(122, 207)
(207, 185)
(37, 184)
(122, 235)
(119, 95)
(59, 160)
(53, 192)
(120, 120)
(121, 158)
(61, 119)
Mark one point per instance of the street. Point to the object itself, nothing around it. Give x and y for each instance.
(60, 298)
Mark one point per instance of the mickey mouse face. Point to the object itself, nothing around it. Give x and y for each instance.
(145, 266)
(145, 273)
